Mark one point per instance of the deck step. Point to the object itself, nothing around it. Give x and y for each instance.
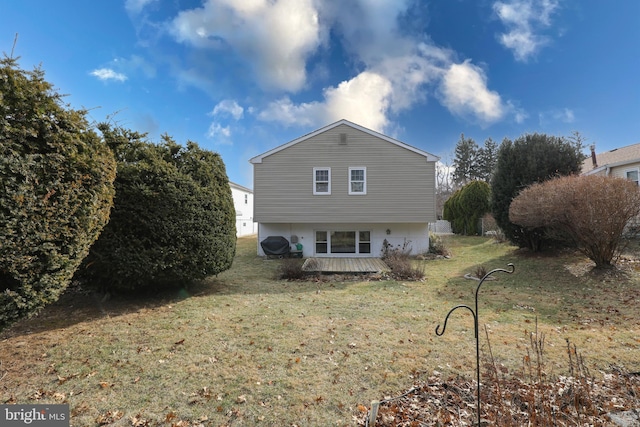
(345, 265)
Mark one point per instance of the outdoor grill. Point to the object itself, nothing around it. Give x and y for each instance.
(276, 246)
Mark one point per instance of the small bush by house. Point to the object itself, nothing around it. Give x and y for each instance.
(400, 262)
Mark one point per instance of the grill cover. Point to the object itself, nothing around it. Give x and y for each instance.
(275, 245)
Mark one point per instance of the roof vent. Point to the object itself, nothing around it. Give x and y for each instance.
(343, 139)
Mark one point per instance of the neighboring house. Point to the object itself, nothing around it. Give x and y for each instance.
(343, 190)
(243, 202)
(621, 162)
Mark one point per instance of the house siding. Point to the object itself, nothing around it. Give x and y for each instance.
(400, 182)
(243, 203)
(621, 171)
(413, 237)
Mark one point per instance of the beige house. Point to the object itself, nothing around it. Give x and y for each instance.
(621, 162)
(342, 190)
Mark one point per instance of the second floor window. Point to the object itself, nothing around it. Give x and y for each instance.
(321, 180)
(358, 180)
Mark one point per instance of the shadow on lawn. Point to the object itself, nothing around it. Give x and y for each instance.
(541, 278)
(78, 305)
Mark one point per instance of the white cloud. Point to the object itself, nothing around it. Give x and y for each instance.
(523, 19)
(108, 74)
(363, 100)
(225, 108)
(275, 37)
(286, 112)
(520, 116)
(394, 81)
(133, 64)
(136, 6)
(118, 69)
(564, 115)
(228, 107)
(411, 73)
(369, 28)
(464, 92)
(216, 129)
(395, 71)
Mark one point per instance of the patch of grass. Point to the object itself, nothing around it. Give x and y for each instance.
(246, 349)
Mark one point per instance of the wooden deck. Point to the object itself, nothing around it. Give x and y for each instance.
(345, 265)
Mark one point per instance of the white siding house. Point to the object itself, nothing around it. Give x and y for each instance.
(243, 202)
(342, 190)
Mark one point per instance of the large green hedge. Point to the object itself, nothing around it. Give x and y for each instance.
(466, 206)
(530, 159)
(56, 190)
(173, 220)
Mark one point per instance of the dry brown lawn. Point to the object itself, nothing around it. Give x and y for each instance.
(246, 349)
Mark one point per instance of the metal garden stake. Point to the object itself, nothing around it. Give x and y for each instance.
(474, 313)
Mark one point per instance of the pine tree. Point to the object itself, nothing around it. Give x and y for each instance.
(466, 154)
(486, 160)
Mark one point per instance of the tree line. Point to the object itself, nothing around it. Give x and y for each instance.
(533, 189)
(99, 205)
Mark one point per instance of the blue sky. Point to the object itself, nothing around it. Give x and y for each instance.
(240, 77)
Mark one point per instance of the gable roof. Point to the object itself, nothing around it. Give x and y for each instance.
(240, 187)
(430, 157)
(612, 158)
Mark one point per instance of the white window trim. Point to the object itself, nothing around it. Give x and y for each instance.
(315, 242)
(364, 187)
(345, 254)
(321, 193)
(636, 170)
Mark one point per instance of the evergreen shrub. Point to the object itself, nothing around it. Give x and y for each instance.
(56, 191)
(173, 220)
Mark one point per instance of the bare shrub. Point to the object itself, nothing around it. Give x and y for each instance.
(588, 212)
(291, 269)
(531, 397)
(437, 245)
(538, 397)
(400, 262)
(480, 272)
(499, 236)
